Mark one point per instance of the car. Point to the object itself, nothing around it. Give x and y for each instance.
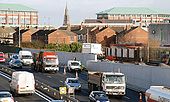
(73, 82)
(15, 63)
(98, 96)
(15, 56)
(2, 57)
(6, 96)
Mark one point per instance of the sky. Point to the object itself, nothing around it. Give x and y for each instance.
(51, 12)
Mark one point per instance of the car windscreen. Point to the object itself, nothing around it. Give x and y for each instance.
(17, 61)
(100, 95)
(15, 57)
(4, 95)
(74, 63)
(73, 81)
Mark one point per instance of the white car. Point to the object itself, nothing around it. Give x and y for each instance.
(6, 96)
(73, 82)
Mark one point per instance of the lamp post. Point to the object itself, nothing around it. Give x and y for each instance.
(19, 39)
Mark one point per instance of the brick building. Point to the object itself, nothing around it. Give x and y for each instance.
(54, 36)
(17, 14)
(134, 35)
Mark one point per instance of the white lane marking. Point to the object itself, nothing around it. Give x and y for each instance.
(127, 97)
(37, 92)
(41, 95)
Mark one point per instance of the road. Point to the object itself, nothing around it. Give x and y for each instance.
(4, 85)
(57, 79)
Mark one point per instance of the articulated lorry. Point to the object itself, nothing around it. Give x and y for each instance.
(158, 94)
(46, 61)
(113, 83)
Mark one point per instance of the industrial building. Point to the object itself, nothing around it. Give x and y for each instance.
(138, 16)
(17, 14)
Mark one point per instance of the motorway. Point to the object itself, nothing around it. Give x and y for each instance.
(4, 85)
(57, 79)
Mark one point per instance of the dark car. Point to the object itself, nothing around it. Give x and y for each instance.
(98, 96)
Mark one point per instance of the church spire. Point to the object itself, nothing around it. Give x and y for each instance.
(66, 17)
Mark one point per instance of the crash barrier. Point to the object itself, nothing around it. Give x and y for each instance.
(46, 89)
(139, 77)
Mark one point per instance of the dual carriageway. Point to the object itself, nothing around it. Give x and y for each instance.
(55, 80)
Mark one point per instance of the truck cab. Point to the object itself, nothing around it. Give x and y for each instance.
(47, 61)
(74, 65)
(113, 83)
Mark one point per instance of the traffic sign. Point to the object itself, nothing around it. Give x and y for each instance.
(63, 90)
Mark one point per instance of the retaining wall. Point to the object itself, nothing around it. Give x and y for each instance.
(139, 77)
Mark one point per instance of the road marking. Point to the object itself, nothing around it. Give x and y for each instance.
(127, 97)
(47, 98)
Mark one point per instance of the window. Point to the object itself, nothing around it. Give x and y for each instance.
(71, 38)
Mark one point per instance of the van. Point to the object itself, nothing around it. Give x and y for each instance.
(26, 57)
(22, 82)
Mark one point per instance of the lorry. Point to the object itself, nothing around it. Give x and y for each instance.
(92, 48)
(46, 61)
(113, 83)
(157, 94)
(22, 82)
(73, 65)
(26, 57)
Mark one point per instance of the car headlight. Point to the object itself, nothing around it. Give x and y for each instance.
(97, 101)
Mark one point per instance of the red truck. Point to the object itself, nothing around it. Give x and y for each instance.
(46, 62)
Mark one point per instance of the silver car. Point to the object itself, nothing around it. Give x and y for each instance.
(6, 96)
(73, 82)
(15, 63)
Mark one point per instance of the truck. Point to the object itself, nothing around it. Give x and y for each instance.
(73, 65)
(26, 57)
(46, 62)
(92, 48)
(113, 83)
(157, 94)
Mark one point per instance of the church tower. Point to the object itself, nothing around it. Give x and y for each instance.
(66, 17)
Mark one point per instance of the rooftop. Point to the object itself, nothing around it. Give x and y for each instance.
(134, 10)
(15, 7)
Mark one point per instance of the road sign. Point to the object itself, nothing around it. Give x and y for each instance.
(63, 90)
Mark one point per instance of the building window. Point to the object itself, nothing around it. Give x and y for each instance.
(72, 38)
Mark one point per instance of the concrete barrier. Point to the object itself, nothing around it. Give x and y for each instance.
(139, 77)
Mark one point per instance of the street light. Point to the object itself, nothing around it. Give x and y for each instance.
(19, 34)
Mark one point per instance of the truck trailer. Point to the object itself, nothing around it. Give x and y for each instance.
(46, 61)
(113, 83)
(157, 94)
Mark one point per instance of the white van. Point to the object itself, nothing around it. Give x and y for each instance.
(26, 57)
(22, 82)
